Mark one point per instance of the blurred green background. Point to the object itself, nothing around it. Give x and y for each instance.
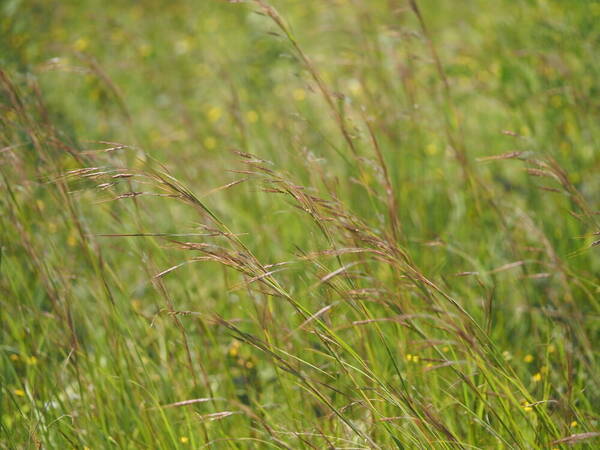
(89, 349)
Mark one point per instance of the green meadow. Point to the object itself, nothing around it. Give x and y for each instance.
(291, 224)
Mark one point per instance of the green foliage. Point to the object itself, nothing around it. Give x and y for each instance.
(299, 224)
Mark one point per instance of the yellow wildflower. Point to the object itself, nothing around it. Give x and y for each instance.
(299, 94)
(431, 149)
(252, 116)
(72, 240)
(210, 142)
(214, 113)
(81, 44)
(144, 50)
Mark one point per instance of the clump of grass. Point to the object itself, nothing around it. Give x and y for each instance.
(321, 295)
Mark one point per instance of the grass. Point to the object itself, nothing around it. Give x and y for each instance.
(293, 224)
